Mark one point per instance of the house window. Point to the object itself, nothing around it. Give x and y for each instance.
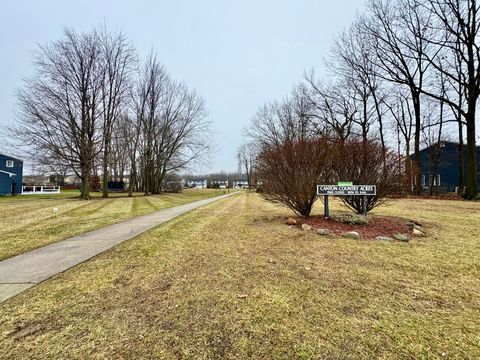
(10, 163)
(423, 180)
(436, 179)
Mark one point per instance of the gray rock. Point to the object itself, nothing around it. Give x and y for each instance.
(418, 233)
(401, 237)
(384, 238)
(415, 222)
(323, 231)
(306, 227)
(351, 235)
(410, 224)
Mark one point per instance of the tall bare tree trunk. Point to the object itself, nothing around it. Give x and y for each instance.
(106, 155)
(408, 168)
(85, 180)
(471, 190)
(416, 145)
(461, 160)
(133, 176)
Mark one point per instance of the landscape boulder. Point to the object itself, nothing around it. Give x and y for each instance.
(291, 221)
(414, 222)
(401, 237)
(410, 224)
(417, 232)
(351, 235)
(384, 238)
(413, 225)
(306, 227)
(323, 231)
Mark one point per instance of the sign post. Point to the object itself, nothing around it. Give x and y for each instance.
(325, 207)
(345, 189)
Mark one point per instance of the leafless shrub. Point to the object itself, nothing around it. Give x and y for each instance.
(363, 163)
(289, 172)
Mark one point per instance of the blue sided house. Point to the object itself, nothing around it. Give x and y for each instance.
(444, 172)
(11, 172)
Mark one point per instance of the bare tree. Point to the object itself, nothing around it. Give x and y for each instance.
(332, 108)
(351, 61)
(60, 106)
(182, 136)
(434, 137)
(289, 120)
(403, 120)
(246, 158)
(172, 119)
(457, 23)
(458, 70)
(397, 32)
(147, 101)
(125, 154)
(127, 136)
(69, 112)
(118, 61)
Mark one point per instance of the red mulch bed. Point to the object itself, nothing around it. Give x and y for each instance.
(377, 226)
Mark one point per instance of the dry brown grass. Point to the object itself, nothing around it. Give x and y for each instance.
(230, 281)
(29, 222)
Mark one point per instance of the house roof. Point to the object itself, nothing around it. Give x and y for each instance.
(196, 180)
(454, 143)
(11, 157)
(427, 148)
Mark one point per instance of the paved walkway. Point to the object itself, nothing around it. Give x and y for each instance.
(26, 270)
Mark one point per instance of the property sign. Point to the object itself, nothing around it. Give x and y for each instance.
(346, 190)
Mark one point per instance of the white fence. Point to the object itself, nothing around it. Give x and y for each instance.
(38, 190)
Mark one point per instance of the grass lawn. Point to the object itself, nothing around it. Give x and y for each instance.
(28, 222)
(231, 281)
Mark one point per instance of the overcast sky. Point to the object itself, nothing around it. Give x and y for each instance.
(237, 54)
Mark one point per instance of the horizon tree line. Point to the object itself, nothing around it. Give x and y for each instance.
(92, 106)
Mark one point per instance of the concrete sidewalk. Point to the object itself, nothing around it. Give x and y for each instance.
(26, 270)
